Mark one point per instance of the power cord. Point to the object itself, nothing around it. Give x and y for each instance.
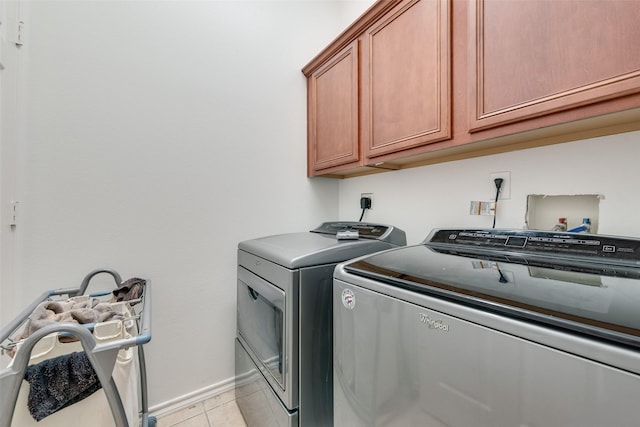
(365, 203)
(498, 182)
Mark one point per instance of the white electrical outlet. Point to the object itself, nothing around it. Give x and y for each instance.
(505, 190)
(370, 196)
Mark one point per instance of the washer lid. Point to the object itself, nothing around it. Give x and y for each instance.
(596, 298)
(321, 246)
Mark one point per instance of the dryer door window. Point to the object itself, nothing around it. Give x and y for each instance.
(261, 322)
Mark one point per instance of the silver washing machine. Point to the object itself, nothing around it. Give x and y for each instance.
(490, 328)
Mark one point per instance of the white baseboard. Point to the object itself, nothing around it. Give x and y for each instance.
(186, 400)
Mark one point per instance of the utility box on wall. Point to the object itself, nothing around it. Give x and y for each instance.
(544, 211)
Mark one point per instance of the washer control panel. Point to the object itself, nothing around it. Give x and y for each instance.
(541, 242)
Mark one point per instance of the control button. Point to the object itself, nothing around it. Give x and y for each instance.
(608, 248)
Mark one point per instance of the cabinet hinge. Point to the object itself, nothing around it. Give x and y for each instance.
(13, 214)
(19, 33)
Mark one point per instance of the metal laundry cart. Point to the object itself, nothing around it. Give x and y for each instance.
(101, 355)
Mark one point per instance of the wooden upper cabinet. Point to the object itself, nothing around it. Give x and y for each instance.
(406, 78)
(415, 82)
(332, 106)
(532, 58)
(382, 88)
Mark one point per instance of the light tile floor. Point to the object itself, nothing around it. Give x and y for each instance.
(218, 411)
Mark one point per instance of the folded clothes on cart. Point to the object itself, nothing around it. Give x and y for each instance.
(91, 310)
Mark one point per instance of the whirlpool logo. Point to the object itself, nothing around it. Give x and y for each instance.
(348, 299)
(433, 324)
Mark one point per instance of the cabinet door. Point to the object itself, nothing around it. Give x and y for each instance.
(530, 58)
(333, 112)
(406, 78)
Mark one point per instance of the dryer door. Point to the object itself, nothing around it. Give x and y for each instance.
(261, 322)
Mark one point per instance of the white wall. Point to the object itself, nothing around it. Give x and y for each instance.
(9, 118)
(418, 200)
(158, 134)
